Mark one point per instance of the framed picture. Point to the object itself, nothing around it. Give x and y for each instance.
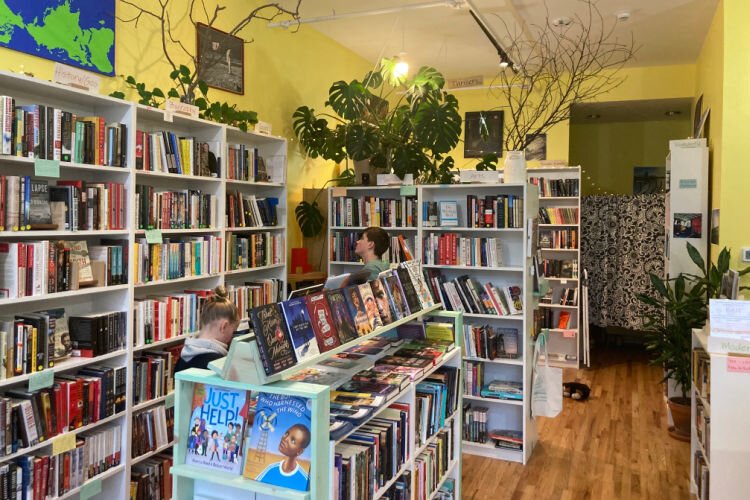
(649, 180)
(483, 133)
(537, 148)
(688, 226)
(221, 59)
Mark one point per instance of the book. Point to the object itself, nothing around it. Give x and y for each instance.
(322, 321)
(340, 315)
(217, 426)
(278, 451)
(563, 320)
(357, 310)
(365, 292)
(79, 256)
(396, 294)
(300, 328)
(448, 214)
(382, 301)
(40, 216)
(420, 285)
(274, 345)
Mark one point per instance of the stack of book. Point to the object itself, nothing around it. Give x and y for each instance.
(152, 478)
(701, 475)
(152, 429)
(248, 251)
(98, 333)
(173, 259)
(501, 211)
(431, 465)
(374, 211)
(467, 295)
(473, 378)
(166, 153)
(551, 268)
(702, 373)
(160, 318)
(507, 439)
(247, 210)
(153, 375)
(452, 249)
(185, 209)
(475, 423)
(556, 187)
(559, 239)
(503, 389)
(491, 343)
(255, 293)
(245, 164)
(558, 215)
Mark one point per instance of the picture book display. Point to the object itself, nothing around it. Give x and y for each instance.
(275, 348)
(217, 426)
(322, 321)
(278, 450)
(341, 317)
(300, 328)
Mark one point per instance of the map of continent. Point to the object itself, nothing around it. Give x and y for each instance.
(76, 32)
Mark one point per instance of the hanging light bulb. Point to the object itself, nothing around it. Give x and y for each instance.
(402, 67)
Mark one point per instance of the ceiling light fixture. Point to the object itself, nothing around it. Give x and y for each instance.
(402, 67)
(505, 60)
(562, 21)
(673, 112)
(593, 116)
(623, 16)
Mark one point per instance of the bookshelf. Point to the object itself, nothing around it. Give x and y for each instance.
(720, 402)
(125, 297)
(512, 271)
(560, 189)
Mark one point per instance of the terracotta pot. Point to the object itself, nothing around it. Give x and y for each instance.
(680, 409)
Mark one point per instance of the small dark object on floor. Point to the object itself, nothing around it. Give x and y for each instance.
(577, 391)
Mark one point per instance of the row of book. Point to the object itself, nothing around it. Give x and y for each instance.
(556, 187)
(452, 249)
(558, 215)
(160, 318)
(701, 475)
(151, 479)
(36, 477)
(500, 211)
(701, 375)
(344, 243)
(559, 238)
(703, 426)
(256, 293)
(33, 342)
(305, 326)
(467, 295)
(475, 423)
(557, 268)
(566, 296)
(152, 429)
(27, 418)
(173, 259)
(489, 342)
(244, 163)
(247, 210)
(184, 209)
(475, 384)
(153, 374)
(165, 152)
(374, 211)
(545, 318)
(400, 490)
(247, 251)
(432, 464)
(28, 204)
(46, 132)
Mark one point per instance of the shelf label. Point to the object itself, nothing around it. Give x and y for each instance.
(408, 191)
(569, 334)
(153, 236)
(738, 364)
(169, 400)
(172, 106)
(41, 380)
(64, 442)
(91, 488)
(168, 116)
(688, 183)
(338, 192)
(75, 77)
(47, 168)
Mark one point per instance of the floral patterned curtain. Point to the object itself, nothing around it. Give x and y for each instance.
(622, 241)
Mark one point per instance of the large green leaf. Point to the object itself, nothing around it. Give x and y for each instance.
(427, 79)
(348, 100)
(659, 285)
(388, 71)
(438, 125)
(334, 144)
(309, 218)
(696, 257)
(361, 141)
(409, 159)
(373, 79)
(310, 130)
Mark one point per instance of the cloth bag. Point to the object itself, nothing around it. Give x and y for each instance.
(546, 389)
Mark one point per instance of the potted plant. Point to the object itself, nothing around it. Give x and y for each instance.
(679, 305)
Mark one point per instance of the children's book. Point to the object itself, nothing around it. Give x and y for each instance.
(278, 450)
(382, 300)
(275, 348)
(300, 328)
(396, 293)
(322, 321)
(420, 285)
(371, 307)
(357, 310)
(341, 317)
(217, 426)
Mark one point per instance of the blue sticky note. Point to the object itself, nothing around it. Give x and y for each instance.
(153, 236)
(41, 380)
(688, 183)
(169, 400)
(46, 168)
(91, 488)
(408, 190)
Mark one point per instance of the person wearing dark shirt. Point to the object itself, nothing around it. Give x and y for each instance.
(372, 244)
(219, 320)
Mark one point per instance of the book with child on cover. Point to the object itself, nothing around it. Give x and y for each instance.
(217, 427)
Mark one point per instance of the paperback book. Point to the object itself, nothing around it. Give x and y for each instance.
(371, 307)
(300, 328)
(322, 322)
(357, 310)
(275, 348)
(382, 301)
(341, 317)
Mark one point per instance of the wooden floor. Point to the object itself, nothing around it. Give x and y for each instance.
(613, 446)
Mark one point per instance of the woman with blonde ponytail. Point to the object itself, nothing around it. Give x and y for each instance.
(219, 320)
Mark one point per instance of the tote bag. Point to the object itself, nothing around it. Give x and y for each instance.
(546, 390)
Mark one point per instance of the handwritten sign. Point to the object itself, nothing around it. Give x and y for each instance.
(738, 365)
(75, 77)
(182, 108)
(462, 83)
(729, 317)
(168, 116)
(408, 191)
(153, 236)
(338, 192)
(41, 380)
(47, 168)
(723, 345)
(569, 334)
(169, 400)
(91, 488)
(263, 128)
(64, 442)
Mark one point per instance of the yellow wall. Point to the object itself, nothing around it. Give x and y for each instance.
(283, 70)
(609, 151)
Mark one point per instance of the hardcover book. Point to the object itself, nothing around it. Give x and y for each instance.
(396, 294)
(341, 317)
(382, 301)
(420, 285)
(410, 293)
(278, 450)
(39, 209)
(275, 348)
(370, 306)
(300, 328)
(357, 310)
(322, 322)
(217, 426)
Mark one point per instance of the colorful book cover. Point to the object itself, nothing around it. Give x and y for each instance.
(357, 310)
(382, 301)
(371, 307)
(410, 293)
(322, 321)
(278, 450)
(420, 285)
(397, 296)
(300, 328)
(217, 428)
(273, 339)
(341, 317)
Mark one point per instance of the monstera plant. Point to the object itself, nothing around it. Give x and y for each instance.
(401, 125)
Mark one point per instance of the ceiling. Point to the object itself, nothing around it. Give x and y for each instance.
(447, 38)
(632, 111)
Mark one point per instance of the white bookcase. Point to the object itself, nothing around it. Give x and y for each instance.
(515, 270)
(565, 344)
(114, 483)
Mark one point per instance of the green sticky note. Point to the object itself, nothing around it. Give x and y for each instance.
(169, 400)
(91, 488)
(153, 236)
(408, 190)
(41, 380)
(47, 168)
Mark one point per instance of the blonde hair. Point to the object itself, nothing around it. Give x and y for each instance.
(218, 307)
